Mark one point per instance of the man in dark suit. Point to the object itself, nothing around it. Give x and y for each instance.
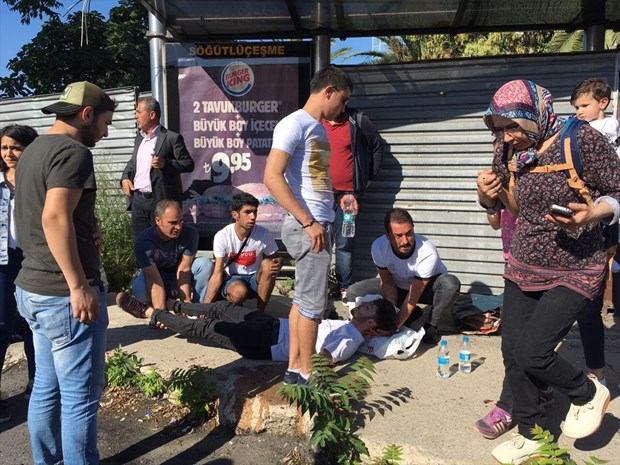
(154, 171)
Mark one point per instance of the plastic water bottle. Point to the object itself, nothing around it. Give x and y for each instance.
(443, 360)
(348, 219)
(465, 356)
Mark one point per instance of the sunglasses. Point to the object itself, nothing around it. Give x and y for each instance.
(346, 100)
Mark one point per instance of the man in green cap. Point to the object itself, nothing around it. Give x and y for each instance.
(59, 290)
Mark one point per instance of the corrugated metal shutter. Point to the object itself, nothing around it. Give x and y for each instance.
(430, 114)
(111, 153)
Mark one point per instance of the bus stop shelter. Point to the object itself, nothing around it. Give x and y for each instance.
(204, 21)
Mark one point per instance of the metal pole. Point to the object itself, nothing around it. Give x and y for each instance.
(321, 55)
(322, 51)
(156, 36)
(594, 38)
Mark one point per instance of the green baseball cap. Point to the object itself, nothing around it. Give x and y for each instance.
(77, 96)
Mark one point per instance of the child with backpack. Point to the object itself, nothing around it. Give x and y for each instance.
(591, 98)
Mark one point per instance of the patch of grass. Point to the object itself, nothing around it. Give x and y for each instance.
(333, 403)
(122, 369)
(117, 252)
(152, 384)
(194, 389)
(391, 455)
(286, 286)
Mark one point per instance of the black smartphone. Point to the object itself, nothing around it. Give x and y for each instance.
(562, 211)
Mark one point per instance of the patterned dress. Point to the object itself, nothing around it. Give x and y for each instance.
(544, 255)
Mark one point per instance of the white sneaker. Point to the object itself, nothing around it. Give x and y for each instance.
(515, 451)
(584, 420)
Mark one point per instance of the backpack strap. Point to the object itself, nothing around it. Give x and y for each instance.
(570, 160)
(569, 155)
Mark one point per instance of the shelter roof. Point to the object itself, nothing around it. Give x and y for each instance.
(209, 20)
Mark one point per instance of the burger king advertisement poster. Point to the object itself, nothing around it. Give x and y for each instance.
(228, 109)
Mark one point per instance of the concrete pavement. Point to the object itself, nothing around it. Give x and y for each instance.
(408, 404)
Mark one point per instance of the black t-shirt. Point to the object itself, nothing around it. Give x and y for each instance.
(165, 255)
(54, 161)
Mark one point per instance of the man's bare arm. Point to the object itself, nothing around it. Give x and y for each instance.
(155, 286)
(274, 179)
(415, 292)
(388, 286)
(59, 230)
(184, 278)
(215, 281)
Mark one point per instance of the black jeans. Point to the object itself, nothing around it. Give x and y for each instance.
(441, 293)
(533, 324)
(250, 332)
(592, 333)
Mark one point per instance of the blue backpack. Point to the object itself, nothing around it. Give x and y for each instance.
(570, 160)
(571, 164)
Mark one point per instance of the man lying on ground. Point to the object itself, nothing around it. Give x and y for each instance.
(256, 335)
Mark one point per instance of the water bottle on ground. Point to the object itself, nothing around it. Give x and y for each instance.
(348, 219)
(465, 356)
(443, 360)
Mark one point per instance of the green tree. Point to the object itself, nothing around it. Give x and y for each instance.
(436, 46)
(31, 9)
(573, 41)
(115, 55)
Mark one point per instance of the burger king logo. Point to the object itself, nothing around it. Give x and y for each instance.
(237, 79)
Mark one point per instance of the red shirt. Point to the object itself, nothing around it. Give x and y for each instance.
(341, 163)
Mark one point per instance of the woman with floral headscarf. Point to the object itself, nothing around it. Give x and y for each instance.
(556, 264)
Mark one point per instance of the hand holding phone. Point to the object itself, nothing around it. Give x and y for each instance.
(562, 211)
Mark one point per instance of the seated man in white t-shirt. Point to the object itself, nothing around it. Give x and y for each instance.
(246, 257)
(410, 272)
(257, 335)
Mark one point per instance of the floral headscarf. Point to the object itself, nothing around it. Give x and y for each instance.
(531, 107)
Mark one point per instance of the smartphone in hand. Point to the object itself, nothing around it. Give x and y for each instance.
(562, 211)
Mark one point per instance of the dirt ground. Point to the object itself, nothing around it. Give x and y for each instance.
(134, 430)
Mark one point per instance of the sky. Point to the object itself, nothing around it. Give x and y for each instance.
(14, 35)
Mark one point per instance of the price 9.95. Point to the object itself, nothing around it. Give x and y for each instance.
(223, 166)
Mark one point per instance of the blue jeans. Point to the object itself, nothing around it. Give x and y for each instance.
(70, 359)
(250, 282)
(202, 267)
(345, 246)
(10, 320)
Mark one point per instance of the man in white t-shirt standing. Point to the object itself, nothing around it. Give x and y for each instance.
(246, 257)
(297, 174)
(410, 272)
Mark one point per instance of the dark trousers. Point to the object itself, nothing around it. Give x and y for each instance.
(142, 214)
(533, 324)
(10, 320)
(592, 333)
(249, 332)
(441, 293)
